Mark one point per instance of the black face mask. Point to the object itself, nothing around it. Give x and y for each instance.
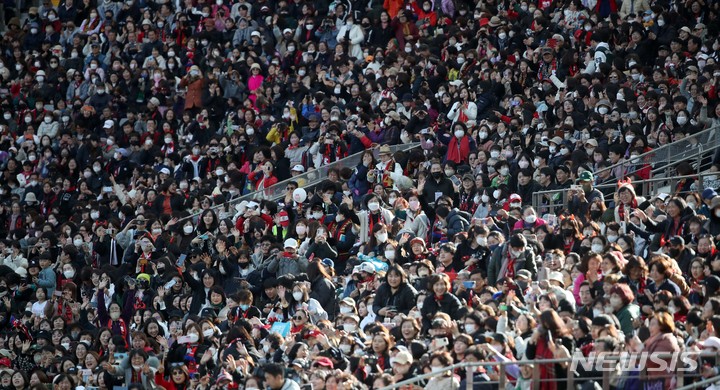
(437, 175)
(161, 271)
(568, 232)
(595, 214)
(244, 265)
(674, 252)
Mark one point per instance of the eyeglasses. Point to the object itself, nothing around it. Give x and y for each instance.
(298, 318)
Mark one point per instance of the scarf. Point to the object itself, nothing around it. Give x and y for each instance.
(458, 151)
(621, 208)
(547, 371)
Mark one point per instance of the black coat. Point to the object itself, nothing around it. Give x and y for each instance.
(449, 304)
(403, 299)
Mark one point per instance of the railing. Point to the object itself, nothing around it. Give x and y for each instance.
(692, 146)
(609, 375)
(306, 180)
(646, 188)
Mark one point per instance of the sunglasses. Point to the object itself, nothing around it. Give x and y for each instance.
(298, 318)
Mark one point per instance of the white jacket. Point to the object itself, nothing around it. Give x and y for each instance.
(356, 38)
(18, 264)
(470, 111)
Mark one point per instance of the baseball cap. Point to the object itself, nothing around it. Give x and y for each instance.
(298, 168)
(586, 176)
(709, 193)
(290, 243)
(108, 124)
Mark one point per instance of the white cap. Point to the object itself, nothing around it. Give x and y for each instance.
(298, 168)
(255, 34)
(108, 124)
(367, 267)
(291, 243)
(287, 30)
(165, 171)
(40, 73)
(252, 204)
(711, 342)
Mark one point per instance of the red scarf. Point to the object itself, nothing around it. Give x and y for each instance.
(547, 371)
(510, 271)
(458, 151)
(621, 208)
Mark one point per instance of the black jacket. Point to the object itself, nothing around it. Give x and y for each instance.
(403, 299)
(448, 303)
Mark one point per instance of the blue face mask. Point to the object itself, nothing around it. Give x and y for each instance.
(493, 247)
(244, 307)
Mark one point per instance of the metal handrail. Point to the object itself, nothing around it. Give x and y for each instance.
(703, 383)
(472, 369)
(645, 184)
(667, 147)
(308, 179)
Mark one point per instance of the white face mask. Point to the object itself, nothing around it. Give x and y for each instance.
(373, 206)
(300, 229)
(390, 255)
(7, 116)
(298, 296)
(208, 333)
(156, 231)
(494, 154)
(482, 241)
(681, 120)
(523, 164)
(77, 242)
(459, 133)
(94, 215)
(504, 171)
(470, 328)
(69, 274)
(530, 219)
(612, 238)
(603, 110)
(345, 348)
(596, 248)
(114, 315)
(497, 194)
(381, 237)
(350, 328)
(484, 198)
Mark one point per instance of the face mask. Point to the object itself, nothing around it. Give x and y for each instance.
(208, 333)
(156, 231)
(460, 60)
(373, 206)
(77, 242)
(596, 248)
(32, 157)
(193, 338)
(96, 169)
(552, 148)
(530, 219)
(94, 215)
(7, 116)
(317, 215)
(504, 171)
(603, 110)
(350, 328)
(390, 255)
(470, 328)
(345, 348)
(661, 22)
(597, 312)
(612, 238)
(502, 35)
(114, 315)
(497, 194)
(28, 119)
(300, 229)
(515, 253)
(494, 154)
(381, 237)
(101, 91)
(291, 49)
(298, 296)
(449, 172)
(459, 133)
(436, 369)
(69, 274)
(681, 120)
(564, 151)
(629, 138)
(523, 164)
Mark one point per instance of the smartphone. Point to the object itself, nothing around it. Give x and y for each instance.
(204, 236)
(107, 189)
(181, 260)
(193, 375)
(57, 293)
(307, 386)
(575, 187)
(170, 284)
(469, 284)
(443, 342)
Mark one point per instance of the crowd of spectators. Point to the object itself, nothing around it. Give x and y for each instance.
(131, 129)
